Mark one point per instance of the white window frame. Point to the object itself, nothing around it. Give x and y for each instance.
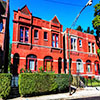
(72, 37)
(77, 67)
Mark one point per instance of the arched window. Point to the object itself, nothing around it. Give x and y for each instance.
(96, 65)
(79, 66)
(48, 63)
(31, 62)
(88, 66)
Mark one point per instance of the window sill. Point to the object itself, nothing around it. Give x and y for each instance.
(45, 39)
(36, 38)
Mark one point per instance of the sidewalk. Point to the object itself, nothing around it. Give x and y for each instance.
(80, 93)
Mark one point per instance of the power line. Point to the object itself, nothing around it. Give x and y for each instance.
(65, 3)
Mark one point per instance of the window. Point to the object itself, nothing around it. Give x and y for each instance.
(36, 33)
(24, 34)
(1, 26)
(79, 66)
(89, 47)
(45, 35)
(31, 62)
(48, 63)
(88, 66)
(93, 48)
(80, 43)
(73, 43)
(55, 40)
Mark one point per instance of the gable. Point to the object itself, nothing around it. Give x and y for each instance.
(25, 10)
(55, 20)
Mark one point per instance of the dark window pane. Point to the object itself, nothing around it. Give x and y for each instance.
(1, 26)
(26, 35)
(21, 33)
(45, 35)
(36, 33)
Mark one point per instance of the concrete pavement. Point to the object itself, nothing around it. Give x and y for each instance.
(80, 93)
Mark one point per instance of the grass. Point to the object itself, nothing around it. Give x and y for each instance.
(93, 83)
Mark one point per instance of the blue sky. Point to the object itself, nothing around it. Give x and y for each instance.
(65, 10)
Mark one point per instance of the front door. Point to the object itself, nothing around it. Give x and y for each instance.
(48, 64)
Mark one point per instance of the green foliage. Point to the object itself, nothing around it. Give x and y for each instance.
(88, 30)
(96, 20)
(39, 83)
(35, 83)
(92, 32)
(41, 70)
(79, 28)
(9, 57)
(62, 81)
(98, 51)
(5, 84)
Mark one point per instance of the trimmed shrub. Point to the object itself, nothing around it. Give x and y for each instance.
(36, 83)
(5, 84)
(41, 83)
(62, 81)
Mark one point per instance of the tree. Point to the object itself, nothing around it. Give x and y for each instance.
(9, 57)
(88, 30)
(96, 20)
(79, 28)
(92, 31)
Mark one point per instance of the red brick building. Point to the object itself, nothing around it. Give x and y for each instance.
(4, 34)
(36, 43)
(83, 53)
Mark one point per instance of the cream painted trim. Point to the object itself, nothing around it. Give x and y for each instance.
(55, 60)
(46, 29)
(80, 37)
(40, 59)
(38, 45)
(76, 62)
(83, 74)
(83, 52)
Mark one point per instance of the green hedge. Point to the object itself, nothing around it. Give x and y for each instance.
(30, 83)
(62, 81)
(5, 84)
(38, 83)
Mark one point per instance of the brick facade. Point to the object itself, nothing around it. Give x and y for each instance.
(37, 43)
(85, 53)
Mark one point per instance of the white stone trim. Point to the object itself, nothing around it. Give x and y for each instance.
(83, 52)
(22, 58)
(40, 59)
(55, 60)
(46, 29)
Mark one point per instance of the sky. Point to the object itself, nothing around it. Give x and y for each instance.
(65, 10)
